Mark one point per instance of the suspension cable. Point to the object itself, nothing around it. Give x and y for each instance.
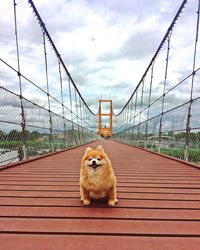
(157, 51)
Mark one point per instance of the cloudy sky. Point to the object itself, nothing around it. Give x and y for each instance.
(106, 45)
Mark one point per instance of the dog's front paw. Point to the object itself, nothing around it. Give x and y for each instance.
(111, 202)
(86, 202)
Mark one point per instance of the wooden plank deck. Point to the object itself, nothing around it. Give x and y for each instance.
(159, 204)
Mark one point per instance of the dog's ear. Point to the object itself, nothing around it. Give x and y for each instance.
(100, 148)
(88, 149)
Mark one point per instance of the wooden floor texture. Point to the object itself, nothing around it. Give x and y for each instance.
(159, 204)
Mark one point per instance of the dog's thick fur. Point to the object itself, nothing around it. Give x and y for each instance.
(97, 179)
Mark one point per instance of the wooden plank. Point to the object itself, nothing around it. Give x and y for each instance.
(91, 212)
(72, 202)
(24, 201)
(75, 188)
(119, 180)
(65, 194)
(103, 226)
(122, 184)
(131, 171)
(66, 174)
(158, 207)
(71, 242)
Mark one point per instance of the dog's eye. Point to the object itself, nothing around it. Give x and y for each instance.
(98, 159)
(90, 159)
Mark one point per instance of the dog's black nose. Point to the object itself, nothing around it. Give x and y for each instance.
(93, 162)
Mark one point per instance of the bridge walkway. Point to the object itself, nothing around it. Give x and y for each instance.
(159, 204)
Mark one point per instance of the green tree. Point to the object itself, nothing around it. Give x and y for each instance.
(35, 135)
(14, 135)
(180, 136)
(2, 135)
(171, 133)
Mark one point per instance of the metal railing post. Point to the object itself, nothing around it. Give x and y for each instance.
(48, 98)
(188, 128)
(23, 121)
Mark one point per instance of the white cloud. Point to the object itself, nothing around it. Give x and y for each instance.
(106, 45)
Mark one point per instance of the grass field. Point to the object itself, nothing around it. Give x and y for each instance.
(34, 146)
(193, 154)
(31, 144)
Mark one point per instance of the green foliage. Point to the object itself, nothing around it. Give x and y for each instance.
(193, 154)
(15, 135)
(178, 153)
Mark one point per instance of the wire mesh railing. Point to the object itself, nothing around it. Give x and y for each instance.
(163, 113)
(41, 109)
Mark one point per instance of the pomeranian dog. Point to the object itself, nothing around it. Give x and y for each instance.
(97, 179)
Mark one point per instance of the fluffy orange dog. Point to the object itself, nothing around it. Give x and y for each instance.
(97, 179)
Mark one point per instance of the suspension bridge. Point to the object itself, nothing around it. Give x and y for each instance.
(153, 143)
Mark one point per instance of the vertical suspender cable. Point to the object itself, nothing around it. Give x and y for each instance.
(188, 129)
(164, 88)
(22, 149)
(48, 98)
(149, 102)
